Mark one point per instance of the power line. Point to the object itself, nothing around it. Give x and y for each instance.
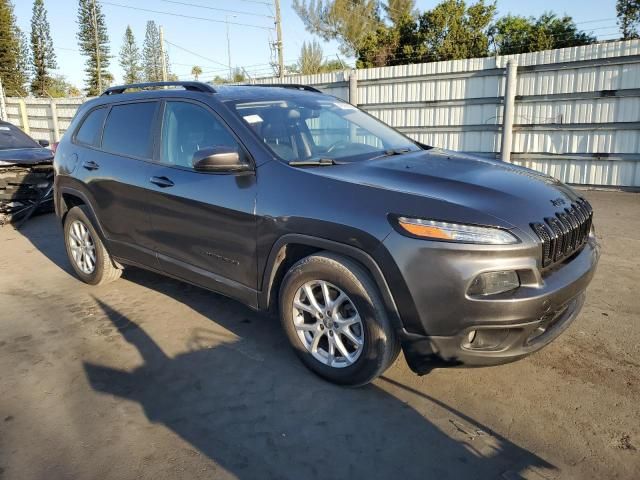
(256, 1)
(185, 16)
(195, 54)
(216, 8)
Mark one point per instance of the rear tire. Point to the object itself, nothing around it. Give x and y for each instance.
(87, 254)
(353, 319)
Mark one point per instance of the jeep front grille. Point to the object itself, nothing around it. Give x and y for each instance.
(565, 233)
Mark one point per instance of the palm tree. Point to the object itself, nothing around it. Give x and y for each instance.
(196, 71)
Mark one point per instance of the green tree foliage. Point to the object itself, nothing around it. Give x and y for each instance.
(152, 55)
(348, 21)
(43, 57)
(196, 71)
(130, 58)
(516, 34)
(312, 60)
(94, 43)
(237, 76)
(628, 18)
(394, 33)
(151, 52)
(59, 87)
(13, 52)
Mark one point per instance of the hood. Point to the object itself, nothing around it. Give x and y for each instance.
(514, 194)
(25, 156)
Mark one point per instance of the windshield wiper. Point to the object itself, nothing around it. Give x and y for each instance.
(396, 151)
(321, 162)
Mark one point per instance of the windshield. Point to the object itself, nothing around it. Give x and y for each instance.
(320, 128)
(12, 137)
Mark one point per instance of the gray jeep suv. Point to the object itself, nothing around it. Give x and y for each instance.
(292, 201)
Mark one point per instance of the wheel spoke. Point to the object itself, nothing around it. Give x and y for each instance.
(306, 327)
(316, 341)
(340, 299)
(346, 331)
(312, 299)
(307, 308)
(332, 350)
(343, 350)
(88, 261)
(326, 295)
(347, 322)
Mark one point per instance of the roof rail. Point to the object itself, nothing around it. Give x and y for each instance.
(294, 86)
(192, 86)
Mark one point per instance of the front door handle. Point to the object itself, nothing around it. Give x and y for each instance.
(162, 182)
(90, 165)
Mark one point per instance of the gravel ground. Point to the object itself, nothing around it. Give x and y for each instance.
(151, 378)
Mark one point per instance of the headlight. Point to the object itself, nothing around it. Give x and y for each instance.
(455, 232)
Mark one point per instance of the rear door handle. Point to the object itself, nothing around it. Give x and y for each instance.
(162, 182)
(90, 165)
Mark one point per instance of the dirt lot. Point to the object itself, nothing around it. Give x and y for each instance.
(151, 378)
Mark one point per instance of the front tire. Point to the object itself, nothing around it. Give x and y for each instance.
(87, 254)
(334, 318)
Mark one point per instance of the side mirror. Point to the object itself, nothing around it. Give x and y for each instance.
(43, 143)
(219, 159)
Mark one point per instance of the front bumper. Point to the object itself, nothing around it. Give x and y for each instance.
(454, 329)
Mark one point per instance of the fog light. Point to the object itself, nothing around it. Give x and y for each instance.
(491, 283)
(471, 336)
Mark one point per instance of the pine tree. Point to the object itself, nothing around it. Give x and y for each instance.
(151, 53)
(13, 56)
(628, 18)
(43, 57)
(94, 44)
(130, 58)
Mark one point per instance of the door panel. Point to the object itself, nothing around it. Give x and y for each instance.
(118, 187)
(116, 183)
(204, 227)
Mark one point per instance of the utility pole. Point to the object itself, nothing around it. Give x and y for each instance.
(278, 22)
(163, 58)
(229, 46)
(3, 105)
(96, 37)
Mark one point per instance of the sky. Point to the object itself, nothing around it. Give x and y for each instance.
(204, 42)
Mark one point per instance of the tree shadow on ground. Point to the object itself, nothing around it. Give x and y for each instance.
(248, 405)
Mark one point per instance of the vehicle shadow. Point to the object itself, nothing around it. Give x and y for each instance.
(248, 405)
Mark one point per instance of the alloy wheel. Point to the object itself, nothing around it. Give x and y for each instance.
(328, 324)
(83, 249)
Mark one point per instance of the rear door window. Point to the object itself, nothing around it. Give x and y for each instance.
(89, 133)
(129, 129)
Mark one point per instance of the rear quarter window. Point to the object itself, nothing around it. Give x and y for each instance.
(128, 130)
(89, 132)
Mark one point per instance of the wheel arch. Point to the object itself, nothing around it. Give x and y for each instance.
(70, 197)
(290, 248)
